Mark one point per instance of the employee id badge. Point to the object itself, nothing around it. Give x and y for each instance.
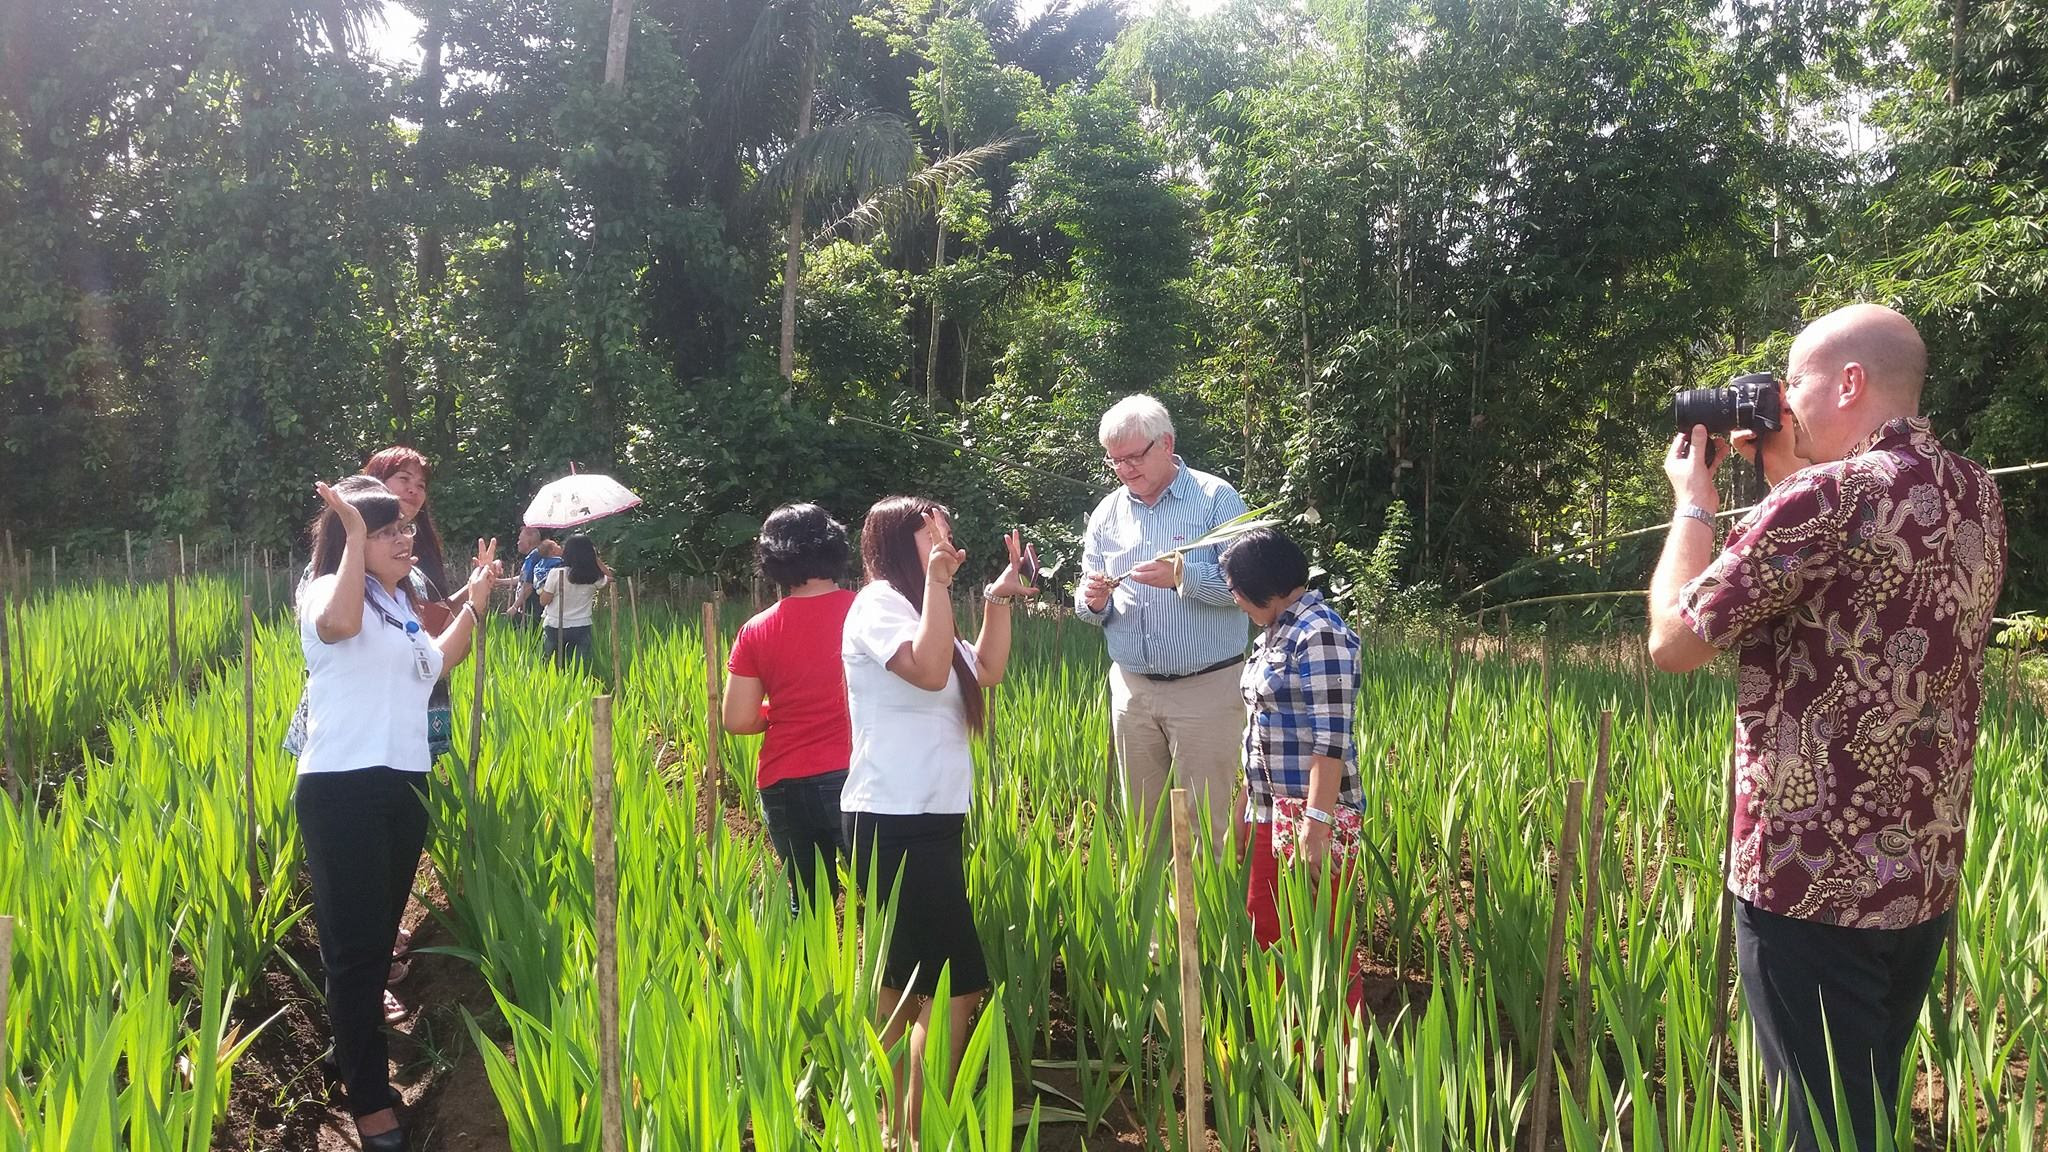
(422, 664)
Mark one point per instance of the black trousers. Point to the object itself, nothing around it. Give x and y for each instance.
(1808, 984)
(805, 827)
(363, 832)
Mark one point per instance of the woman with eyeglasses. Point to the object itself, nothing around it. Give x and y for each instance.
(568, 599)
(370, 668)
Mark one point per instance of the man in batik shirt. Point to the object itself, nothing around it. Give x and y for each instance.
(1858, 597)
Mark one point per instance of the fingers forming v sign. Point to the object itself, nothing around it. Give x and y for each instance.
(945, 559)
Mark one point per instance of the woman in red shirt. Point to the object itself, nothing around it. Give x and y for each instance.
(786, 680)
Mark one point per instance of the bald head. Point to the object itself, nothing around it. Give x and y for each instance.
(1885, 343)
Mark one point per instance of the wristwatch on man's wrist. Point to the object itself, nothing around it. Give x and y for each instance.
(1694, 512)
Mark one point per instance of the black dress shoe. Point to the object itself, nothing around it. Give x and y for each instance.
(392, 1141)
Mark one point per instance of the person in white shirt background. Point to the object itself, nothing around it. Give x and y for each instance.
(568, 599)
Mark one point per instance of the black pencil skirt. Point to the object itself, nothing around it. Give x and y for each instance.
(934, 923)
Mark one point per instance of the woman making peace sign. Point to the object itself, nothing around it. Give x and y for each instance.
(913, 693)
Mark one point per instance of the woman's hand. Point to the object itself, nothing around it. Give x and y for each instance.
(484, 571)
(945, 560)
(351, 520)
(1313, 844)
(1011, 582)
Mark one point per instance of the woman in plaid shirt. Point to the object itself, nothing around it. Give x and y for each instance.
(1302, 792)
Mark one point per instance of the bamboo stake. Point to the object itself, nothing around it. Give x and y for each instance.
(269, 586)
(128, 546)
(604, 858)
(1549, 710)
(618, 673)
(1589, 917)
(171, 614)
(1649, 713)
(479, 631)
(1193, 1126)
(633, 598)
(713, 709)
(6, 972)
(249, 739)
(53, 567)
(7, 756)
(1553, 974)
(1724, 939)
(181, 553)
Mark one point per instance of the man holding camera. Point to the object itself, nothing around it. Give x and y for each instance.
(1859, 597)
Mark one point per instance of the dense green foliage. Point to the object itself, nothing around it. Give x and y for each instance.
(1451, 253)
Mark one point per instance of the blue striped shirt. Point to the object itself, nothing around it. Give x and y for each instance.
(1164, 631)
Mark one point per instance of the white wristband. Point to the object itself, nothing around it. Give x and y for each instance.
(1319, 816)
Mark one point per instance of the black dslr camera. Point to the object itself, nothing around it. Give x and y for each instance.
(1751, 401)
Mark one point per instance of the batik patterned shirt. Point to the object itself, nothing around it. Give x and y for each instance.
(1859, 597)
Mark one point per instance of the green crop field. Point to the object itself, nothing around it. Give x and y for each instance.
(743, 1026)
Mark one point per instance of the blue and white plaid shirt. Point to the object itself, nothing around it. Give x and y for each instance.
(1300, 693)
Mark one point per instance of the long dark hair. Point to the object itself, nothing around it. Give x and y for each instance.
(367, 495)
(428, 557)
(800, 543)
(579, 559)
(888, 552)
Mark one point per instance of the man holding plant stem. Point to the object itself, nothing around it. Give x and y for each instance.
(1860, 595)
(1175, 636)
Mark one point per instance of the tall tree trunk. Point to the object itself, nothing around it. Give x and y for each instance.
(1958, 18)
(615, 50)
(931, 355)
(793, 256)
(432, 261)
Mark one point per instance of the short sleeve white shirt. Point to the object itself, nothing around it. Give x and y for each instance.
(910, 751)
(573, 604)
(366, 701)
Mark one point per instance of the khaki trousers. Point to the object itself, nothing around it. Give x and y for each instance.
(1181, 733)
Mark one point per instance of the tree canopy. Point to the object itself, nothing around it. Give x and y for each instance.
(1427, 268)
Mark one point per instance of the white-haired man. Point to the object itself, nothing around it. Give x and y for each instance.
(1176, 638)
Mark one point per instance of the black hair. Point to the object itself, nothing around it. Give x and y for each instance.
(888, 552)
(800, 543)
(368, 496)
(1262, 564)
(579, 557)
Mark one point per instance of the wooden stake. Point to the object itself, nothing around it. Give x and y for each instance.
(618, 672)
(171, 615)
(1649, 713)
(1553, 967)
(181, 553)
(1507, 638)
(1193, 1082)
(53, 567)
(1589, 917)
(605, 890)
(269, 586)
(249, 739)
(128, 546)
(2012, 681)
(6, 972)
(1724, 939)
(633, 598)
(7, 757)
(713, 711)
(1549, 711)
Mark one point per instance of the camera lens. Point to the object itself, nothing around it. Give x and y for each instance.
(1713, 407)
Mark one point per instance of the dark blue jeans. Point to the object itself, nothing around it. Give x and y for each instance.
(1808, 984)
(804, 825)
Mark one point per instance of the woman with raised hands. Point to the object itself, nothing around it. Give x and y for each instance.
(370, 668)
(913, 691)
